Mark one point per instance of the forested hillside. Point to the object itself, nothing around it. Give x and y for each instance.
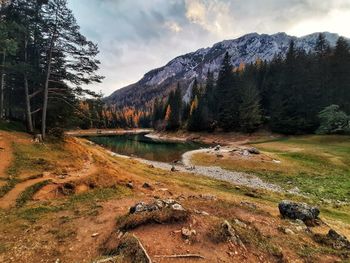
(294, 94)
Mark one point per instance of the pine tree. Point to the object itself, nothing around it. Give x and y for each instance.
(340, 75)
(249, 109)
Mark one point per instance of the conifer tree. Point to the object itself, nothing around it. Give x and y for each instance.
(249, 109)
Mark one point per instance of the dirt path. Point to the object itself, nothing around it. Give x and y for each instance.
(9, 200)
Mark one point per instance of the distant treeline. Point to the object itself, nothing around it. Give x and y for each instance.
(291, 95)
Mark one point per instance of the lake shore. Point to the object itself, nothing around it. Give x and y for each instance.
(105, 132)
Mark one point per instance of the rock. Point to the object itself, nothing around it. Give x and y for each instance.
(240, 223)
(95, 234)
(177, 207)
(173, 169)
(219, 156)
(217, 148)
(334, 240)
(200, 212)
(230, 232)
(339, 241)
(245, 153)
(308, 214)
(156, 205)
(130, 185)
(208, 197)
(151, 166)
(276, 161)
(188, 233)
(294, 190)
(253, 150)
(147, 186)
(288, 231)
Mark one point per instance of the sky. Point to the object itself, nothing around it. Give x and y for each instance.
(135, 36)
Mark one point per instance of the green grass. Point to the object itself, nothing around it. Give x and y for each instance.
(86, 202)
(28, 193)
(11, 183)
(317, 165)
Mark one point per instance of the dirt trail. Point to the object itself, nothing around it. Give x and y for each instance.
(9, 200)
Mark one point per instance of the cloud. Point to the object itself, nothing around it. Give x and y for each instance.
(135, 36)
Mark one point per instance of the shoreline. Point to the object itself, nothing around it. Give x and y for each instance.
(104, 132)
(215, 172)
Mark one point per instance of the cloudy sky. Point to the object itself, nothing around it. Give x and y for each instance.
(135, 36)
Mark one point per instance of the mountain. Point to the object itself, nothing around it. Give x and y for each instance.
(183, 69)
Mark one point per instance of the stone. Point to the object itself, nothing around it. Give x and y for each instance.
(147, 186)
(219, 156)
(253, 150)
(308, 214)
(339, 241)
(188, 233)
(240, 223)
(230, 232)
(217, 148)
(156, 205)
(173, 169)
(334, 240)
(95, 234)
(130, 185)
(288, 231)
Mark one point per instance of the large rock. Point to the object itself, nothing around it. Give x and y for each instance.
(302, 211)
(334, 240)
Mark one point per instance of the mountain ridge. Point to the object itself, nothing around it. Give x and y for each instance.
(184, 68)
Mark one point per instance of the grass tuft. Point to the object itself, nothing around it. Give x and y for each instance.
(28, 193)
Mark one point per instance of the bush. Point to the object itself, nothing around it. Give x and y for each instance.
(333, 121)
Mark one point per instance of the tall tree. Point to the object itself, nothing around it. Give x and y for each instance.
(249, 109)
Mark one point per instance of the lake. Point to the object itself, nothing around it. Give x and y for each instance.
(143, 147)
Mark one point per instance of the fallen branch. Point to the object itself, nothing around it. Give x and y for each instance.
(144, 250)
(180, 256)
(111, 260)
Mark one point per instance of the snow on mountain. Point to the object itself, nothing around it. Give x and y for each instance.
(183, 69)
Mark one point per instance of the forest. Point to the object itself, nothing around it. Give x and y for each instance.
(46, 64)
(300, 93)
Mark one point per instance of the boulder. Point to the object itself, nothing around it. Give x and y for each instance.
(253, 150)
(308, 214)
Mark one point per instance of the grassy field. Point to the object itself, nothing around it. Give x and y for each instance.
(317, 165)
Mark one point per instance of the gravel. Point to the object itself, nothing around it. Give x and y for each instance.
(237, 178)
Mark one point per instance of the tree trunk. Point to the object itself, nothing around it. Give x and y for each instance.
(26, 90)
(46, 91)
(2, 85)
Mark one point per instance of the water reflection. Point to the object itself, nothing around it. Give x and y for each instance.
(144, 147)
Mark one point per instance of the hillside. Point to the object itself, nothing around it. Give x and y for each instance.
(69, 202)
(183, 69)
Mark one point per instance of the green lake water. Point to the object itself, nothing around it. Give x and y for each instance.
(141, 146)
